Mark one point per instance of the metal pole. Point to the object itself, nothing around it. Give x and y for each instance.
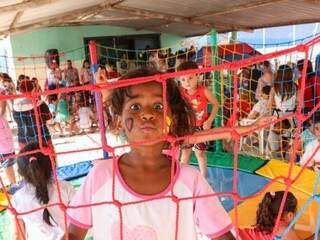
(97, 95)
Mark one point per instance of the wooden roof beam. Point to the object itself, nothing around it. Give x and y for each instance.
(240, 7)
(158, 15)
(174, 18)
(16, 19)
(106, 19)
(60, 18)
(151, 27)
(24, 5)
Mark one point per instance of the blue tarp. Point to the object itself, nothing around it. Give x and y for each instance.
(221, 180)
(73, 171)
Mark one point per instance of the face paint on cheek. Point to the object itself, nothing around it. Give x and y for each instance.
(129, 124)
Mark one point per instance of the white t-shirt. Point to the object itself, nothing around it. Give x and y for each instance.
(36, 229)
(152, 217)
(84, 117)
(310, 148)
(286, 105)
(260, 107)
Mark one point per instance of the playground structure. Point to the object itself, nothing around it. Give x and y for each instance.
(224, 82)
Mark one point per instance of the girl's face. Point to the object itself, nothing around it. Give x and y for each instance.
(189, 82)
(142, 115)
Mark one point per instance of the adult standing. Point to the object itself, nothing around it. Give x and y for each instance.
(282, 101)
(54, 75)
(71, 75)
(86, 77)
(25, 116)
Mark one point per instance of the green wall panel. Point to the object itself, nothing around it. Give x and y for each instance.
(70, 40)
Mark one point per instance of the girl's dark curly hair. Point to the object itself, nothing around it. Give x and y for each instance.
(269, 207)
(183, 117)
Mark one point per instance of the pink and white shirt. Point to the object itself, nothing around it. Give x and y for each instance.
(6, 137)
(153, 219)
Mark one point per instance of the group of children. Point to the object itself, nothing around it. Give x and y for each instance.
(277, 94)
(145, 193)
(71, 110)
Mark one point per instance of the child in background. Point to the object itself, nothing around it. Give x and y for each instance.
(282, 102)
(314, 162)
(39, 190)
(74, 113)
(86, 116)
(63, 112)
(309, 135)
(52, 105)
(261, 107)
(198, 97)
(312, 147)
(267, 214)
(145, 173)
(283, 95)
(244, 107)
(279, 140)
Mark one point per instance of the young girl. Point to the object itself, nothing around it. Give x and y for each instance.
(311, 140)
(282, 101)
(63, 114)
(278, 143)
(267, 214)
(198, 97)
(38, 190)
(283, 95)
(52, 105)
(146, 175)
(86, 117)
(309, 136)
(261, 107)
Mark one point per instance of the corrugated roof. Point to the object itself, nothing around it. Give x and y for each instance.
(183, 17)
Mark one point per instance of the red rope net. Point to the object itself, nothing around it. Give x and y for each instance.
(300, 51)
